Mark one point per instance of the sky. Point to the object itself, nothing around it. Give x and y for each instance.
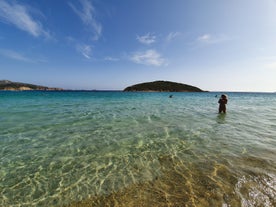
(216, 45)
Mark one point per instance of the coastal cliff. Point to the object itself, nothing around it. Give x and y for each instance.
(163, 86)
(7, 85)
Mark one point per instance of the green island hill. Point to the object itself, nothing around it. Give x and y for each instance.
(162, 86)
(7, 85)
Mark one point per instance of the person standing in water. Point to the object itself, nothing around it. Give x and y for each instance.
(222, 103)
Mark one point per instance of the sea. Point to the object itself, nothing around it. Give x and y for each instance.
(113, 148)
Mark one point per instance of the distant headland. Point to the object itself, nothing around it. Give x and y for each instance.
(162, 86)
(7, 85)
(155, 86)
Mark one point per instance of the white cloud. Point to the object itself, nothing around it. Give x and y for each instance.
(146, 39)
(211, 39)
(85, 50)
(148, 57)
(15, 55)
(19, 16)
(172, 36)
(87, 14)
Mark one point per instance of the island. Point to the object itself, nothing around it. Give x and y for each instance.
(162, 86)
(7, 85)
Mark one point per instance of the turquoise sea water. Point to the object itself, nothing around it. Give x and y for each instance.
(137, 149)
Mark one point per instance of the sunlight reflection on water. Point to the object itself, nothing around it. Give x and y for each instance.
(129, 149)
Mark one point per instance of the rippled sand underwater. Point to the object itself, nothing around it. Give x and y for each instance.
(184, 185)
(137, 149)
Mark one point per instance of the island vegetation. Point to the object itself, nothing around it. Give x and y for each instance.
(17, 86)
(163, 86)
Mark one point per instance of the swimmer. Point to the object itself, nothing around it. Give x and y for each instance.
(222, 103)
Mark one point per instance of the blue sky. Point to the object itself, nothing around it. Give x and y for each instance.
(110, 44)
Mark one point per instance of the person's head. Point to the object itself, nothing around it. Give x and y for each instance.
(223, 96)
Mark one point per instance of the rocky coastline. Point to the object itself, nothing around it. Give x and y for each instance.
(6, 85)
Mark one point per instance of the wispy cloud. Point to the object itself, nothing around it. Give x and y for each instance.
(204, 38)
(148, 57)
(172, 36)
(212, 39)
(111, 59)
(267, 58)
(85, 50)
(15, 55)
(271, 65)
(146, 39)
(20, 16)
(267, 62)
(86, 12)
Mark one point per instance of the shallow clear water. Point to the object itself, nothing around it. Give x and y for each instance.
(137, 149)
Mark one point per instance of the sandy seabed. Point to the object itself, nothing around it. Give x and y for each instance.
(185, 185)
